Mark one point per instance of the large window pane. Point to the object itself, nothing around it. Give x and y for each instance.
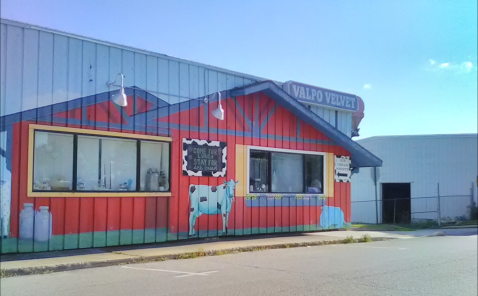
(53, 161)
(154, 170)
(314, 168)
(106, 164)
(287, 172)
(258, 171)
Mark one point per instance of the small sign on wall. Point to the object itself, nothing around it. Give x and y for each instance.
(342, 168)
(204, 158)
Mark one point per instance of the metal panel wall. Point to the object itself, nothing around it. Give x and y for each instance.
(422, 161)
(44, 67)
(40, 68)
(338, 119)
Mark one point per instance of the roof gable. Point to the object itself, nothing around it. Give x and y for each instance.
(361, 157)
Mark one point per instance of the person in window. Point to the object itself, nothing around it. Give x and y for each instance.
(315, 186)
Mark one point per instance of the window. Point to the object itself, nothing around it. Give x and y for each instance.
(53, 162)
(98, 163)
(106, 164)
(283, 172)
(154, 166)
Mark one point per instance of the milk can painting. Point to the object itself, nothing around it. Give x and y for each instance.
(35, 225)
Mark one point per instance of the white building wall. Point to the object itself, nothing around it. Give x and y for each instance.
(423, 161)
(40, 66)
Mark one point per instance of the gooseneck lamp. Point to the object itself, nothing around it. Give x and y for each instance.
(219, 112)
(119, 97)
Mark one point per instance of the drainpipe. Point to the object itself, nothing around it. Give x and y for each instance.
(376, 195)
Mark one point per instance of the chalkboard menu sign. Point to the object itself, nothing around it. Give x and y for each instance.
(204, 158)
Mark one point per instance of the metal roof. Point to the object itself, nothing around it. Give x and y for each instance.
(361, 157)
(429, 136)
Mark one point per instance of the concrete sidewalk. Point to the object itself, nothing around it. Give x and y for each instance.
(23, 264)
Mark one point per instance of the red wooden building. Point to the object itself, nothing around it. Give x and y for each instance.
(90, 173)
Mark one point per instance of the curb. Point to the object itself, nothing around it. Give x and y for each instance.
(459, 226)
(5, 273)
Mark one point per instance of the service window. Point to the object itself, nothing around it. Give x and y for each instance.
(286, 172)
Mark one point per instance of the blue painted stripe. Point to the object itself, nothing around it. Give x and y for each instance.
(283, 201)
(247, 121)
(298, 128)
(269, 115)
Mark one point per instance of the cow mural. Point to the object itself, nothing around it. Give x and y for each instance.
(211, 200)
(332, 218)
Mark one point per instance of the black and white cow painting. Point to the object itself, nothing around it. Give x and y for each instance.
(211, 200)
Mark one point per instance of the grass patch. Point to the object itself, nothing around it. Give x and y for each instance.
(470, 222)
(350, 240)
(423, 225)
(366, 238)
(382, 227)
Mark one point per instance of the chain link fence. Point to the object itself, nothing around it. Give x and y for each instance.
(438, 208)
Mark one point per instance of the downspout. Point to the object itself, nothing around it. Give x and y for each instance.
(376, 195)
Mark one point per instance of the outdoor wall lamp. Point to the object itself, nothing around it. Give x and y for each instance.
(219, 112)
(119, 97)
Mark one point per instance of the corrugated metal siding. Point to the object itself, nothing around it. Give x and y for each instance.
(422, 161)
(40, 68)
(44, 67)
(343, 122)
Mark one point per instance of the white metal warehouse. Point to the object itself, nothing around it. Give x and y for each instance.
(406, 186)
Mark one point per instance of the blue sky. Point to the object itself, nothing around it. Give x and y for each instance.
(413, 62)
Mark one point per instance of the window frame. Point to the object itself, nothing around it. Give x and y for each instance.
(95, 133)
(287, 151)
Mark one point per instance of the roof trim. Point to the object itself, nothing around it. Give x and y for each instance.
(361, 157)
(425, 136)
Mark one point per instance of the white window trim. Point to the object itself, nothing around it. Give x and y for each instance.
(302, 152)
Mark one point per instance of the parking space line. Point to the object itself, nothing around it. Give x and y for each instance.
(200, 273)
(369, 247)
(183, 273)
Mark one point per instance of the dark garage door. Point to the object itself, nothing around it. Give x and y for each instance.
(396, 203)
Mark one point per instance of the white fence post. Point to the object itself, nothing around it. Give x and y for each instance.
(438, 202)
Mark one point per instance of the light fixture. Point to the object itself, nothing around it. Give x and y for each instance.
(219, 112)
(119, 98)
